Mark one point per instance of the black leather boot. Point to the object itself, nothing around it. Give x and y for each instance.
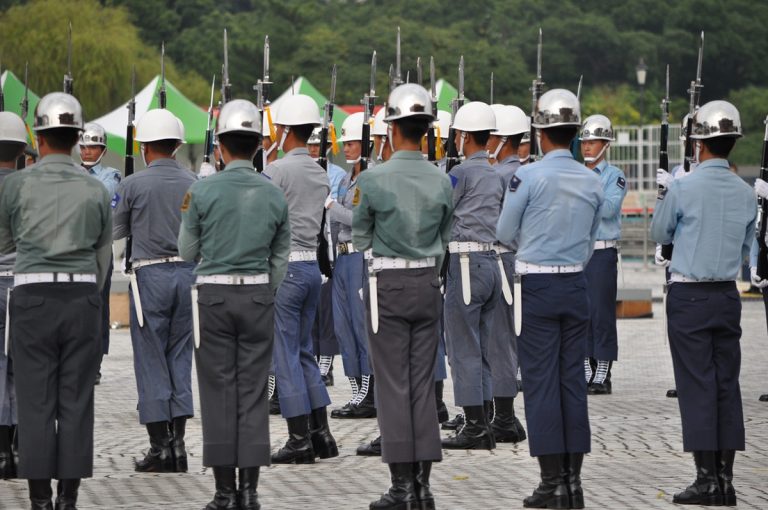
(725, 475)
(178, 426)
(298, 449)
(249, 481)
(401, 496)
(421, 471)
(475, 434)
(40, 494)
(455, 424)
(705, 490)
(362, 406)
(354, 383)
(442, 410)
(7, 467)
(572, 464)
(274, 401)
(159, 457)
(372, 449)
(505, 426)
(323, 442)
(66, 494)
(226, 496)
(552, 491)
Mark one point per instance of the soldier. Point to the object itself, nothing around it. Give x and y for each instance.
(381, 148)
(602, 271)
(302, 393)
(93, 146)
(236, 224)
(58, 221)
(148, 207)
(710, 217)
(407, 244)
(761, 188)
(473, 283)
(524, 150)
(13, 141)
(511, 123)
(551, 210)
(348, 278)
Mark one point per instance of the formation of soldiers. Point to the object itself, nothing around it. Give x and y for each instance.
(501, 256)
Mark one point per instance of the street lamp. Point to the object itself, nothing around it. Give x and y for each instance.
(642, 71)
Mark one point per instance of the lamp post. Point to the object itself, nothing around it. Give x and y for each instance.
(641, 71)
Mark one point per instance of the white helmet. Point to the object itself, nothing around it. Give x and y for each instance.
(352, 129)
(715, 119)
(409, 100)
(314, 138)
(159, 124)
(475, 116)
(12, 128)
(58, 110)
(379, 126)
(93, 135)
(298, 110)
(510, 120)
(444, 122)
(239, 116)
(597, 127)
(557, 107)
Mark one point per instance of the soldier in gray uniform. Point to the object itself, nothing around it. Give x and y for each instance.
(13, 140)
(473, 284)
(58, 221)
(302, 393)
(148, 207)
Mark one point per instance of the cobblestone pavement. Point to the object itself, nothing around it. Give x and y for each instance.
(636, 461)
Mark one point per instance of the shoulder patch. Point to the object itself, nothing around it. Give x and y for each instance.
(117, 177)
(621, 182)
(356, 197)
(186, 201)
(115, 200)
(514, 183)
(454, 180)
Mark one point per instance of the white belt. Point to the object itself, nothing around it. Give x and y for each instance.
(500, 248)
(679, 278)
(469, 246)
(6, 273)
(302, 256)
(528, 268)
(379, 263)
(602, 245)
(233, 279)
(26, 278)
(151, 262)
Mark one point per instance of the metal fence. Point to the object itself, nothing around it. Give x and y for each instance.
(636, 151)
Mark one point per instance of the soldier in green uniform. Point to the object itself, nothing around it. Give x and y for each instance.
(59, 221)
(403, 213)
(236, 223)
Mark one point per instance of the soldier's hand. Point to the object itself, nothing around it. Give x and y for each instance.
(207, 169)
(329, 202)
(761, 188)
(663, 178)
(756, 280)
(660, 261)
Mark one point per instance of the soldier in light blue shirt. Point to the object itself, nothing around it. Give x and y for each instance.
(710, 218)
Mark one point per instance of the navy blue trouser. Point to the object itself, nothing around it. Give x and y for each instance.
(703, 320)
(7, 391)
(503, 347)
(601, 274)
(551, 350)
(105, 291)
(324, 341)
(299, 385)
(349, 314)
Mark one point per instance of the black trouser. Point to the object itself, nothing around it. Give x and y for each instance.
(56, 353)
(104, 328)
(236, 338)
(324, 341)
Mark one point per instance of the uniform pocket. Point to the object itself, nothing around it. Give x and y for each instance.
(27, 302)
(210, 300)
(94, 299)
(264, 299)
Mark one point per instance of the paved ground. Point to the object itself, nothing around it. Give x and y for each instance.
(636, 461)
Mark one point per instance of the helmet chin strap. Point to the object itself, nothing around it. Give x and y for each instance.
(495, 154)
(389, 138)
(525, 159)
(270, 150)
(286, 130)
(353, 161)
(599, 155)
(461, 143)
(380, 154)
(91, 164)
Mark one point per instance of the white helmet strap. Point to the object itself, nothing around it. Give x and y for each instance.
(461, 143)
(599, 155)
(380, 154)
(495, 154)
(286, 130)
(91, 164)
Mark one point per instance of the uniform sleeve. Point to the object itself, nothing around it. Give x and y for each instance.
(340, 214)
(602, 202)
(7, 244)
(665, 216)
(445, 225)
(189, 232)
(279, 250)
(614, 196)
(112, 182)
(335, 178)
(753, 253)
(750, 239)
(511, 217)
(458, 182)
(121, 212)
(104, 243)
(362, 219)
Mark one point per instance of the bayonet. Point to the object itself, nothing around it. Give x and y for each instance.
(538, 56)
(226, 86)
(327, 118)
(432, 83)
(129, 130)
(408, 76)
(694, 95)
(578, 88)
(68, 80)
(372, 88)
(163, 98)
(431, 138)
(208, 148)
(419, 71)
(369, 100)
(392, 80)
(461, 79)
(491, 95)
(398, 80)
(456, 103)
(537, 87)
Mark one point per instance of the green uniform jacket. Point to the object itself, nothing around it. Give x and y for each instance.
(236, 222)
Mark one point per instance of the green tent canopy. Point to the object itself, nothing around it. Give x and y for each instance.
(13, 93)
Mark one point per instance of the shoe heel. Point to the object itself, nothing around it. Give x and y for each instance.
(559, 502)
(305, 458)
(326, 451)
(427, 504)
(577, 502)
(181, 465)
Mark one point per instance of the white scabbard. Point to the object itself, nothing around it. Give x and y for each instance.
(518, 305)
(466, 284)
(195, 317)
(373, 296)
(665, 290)
(505, 290)
(7, 340)
(621, 265)
(137, 299)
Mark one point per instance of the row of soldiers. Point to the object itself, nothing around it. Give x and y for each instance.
(245, 244)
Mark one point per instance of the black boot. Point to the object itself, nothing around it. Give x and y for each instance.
(725, 475)
(572, 464)
(322, 441)
(763, 397)
(7, 466)
(226, 496)
(372, 449)
(15, 446)
(249, 481)
(552, 491)
(421, 472)
(40, 494)
(490, 411)
(362, 406)
(505, 426)
(298, 449)
(66, 494)
(274, 402)
(178, 426)
(705, 490)
(442, 410)
(455, 424)
(401, 496)
(159, 457)
(354, 383)
(475, 434)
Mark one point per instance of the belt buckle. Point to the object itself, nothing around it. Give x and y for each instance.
(343, 248)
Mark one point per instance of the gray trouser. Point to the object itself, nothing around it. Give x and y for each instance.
(7, 392)
(236, 338)
(403, 355)
(502, 350)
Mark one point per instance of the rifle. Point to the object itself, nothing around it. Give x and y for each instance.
(68, 80)
(128, 170)
(162, 95)
(456, 103)
(666, 249)
(694, 95)
(327, 117)
(431, 145)
(324, 254)
(226, 87)
(537, 87)
(262, 94)
(369, 100)
(21, 162)
(762, 214)
(208, 149)
(397, 77)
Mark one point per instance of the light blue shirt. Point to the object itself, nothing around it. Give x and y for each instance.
(335, 175)
(552, 210)
(108, 176)
(710, 217)
(614, 191)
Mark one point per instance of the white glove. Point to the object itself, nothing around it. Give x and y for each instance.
(206, 169)
(660, 261)
(663, 178)
(329, 202)
(756, 281)
(761, 188)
